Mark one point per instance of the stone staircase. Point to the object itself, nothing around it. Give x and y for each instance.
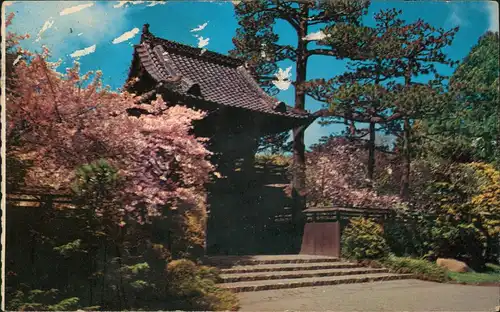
(255, 273)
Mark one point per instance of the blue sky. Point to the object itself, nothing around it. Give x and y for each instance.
(102, 22)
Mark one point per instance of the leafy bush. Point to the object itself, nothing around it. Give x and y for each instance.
(363, 239)
(25, 299)
(435, 236)
(453, 215)
(421, 268)
(192, 287)
(408, 234)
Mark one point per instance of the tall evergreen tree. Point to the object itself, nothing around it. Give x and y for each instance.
(421, 48)
(361, 90)
(258, 42)
(381, 88)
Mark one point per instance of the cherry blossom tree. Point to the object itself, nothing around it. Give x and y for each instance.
(58, 122)
(336, 175)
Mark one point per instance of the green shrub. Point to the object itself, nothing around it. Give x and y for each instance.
(26, 299)
(363, 239)
(408, 233)
(422, 269)
(415, 234)
(192, 287)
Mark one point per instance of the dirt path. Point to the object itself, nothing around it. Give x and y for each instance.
(404, 295)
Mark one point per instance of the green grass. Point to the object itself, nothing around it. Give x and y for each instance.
(422, 269)
(425, 270)
(490, 275)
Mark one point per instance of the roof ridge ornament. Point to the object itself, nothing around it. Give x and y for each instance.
(279, 106)
(145, 32)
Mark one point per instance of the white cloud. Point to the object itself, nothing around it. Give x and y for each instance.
(126, 36)
(319, 35)
(83, 52)
(125, 3)
(45, 26)
(76, 8)
(93, 25)
(202, 42)
(492, 8)
(120, 4)
(153, 3)
(200, 27)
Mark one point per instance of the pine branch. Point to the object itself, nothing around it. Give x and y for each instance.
(357, 117)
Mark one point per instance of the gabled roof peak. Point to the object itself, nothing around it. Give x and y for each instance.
(175, 47)
(208, 76)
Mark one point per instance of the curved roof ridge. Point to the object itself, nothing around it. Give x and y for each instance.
(174, 46)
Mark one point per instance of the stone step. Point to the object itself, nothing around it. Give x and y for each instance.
(289, 267)
(229, 261)
(257, 276)
(311, 282)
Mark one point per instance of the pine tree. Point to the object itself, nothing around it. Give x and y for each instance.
(420, 50)
(381, 87)
(257, 42)
(361, 90)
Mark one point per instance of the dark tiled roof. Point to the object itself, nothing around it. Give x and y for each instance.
(210, 76)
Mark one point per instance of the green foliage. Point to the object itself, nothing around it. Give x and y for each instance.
(65, 305)
(25, 299)
(278, 143)
(492, 268)
(467, 130)
(95, 188)
(417, 234)
(456, 240)
(69, 248)
(363, 239)
(408, 233)
(422, 269)
(136, 268)
(273, 159)
(193, 287)
(453, 213)
(258, 42)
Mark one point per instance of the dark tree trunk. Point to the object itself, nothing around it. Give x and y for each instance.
(371, 152)
(299, 159)
(405, 179)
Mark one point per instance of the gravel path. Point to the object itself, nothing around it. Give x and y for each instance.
(403, 295)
